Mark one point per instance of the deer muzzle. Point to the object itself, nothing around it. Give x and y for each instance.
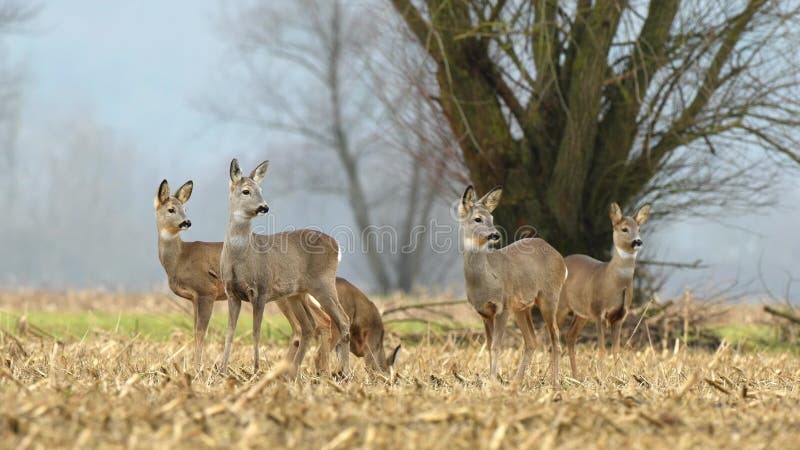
(185, 225)
(262, 209)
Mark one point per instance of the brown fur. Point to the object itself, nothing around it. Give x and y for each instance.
(263, 268)
(366, 328)
(601, 291)
(192, 267)
(513, 279)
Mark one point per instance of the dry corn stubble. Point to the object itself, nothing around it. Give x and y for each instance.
(111, 391)
(106, 392)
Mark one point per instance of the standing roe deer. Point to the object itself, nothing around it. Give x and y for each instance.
(193, 267)
(366, 329)
(509, 280)
(263, 268)
(602, 291)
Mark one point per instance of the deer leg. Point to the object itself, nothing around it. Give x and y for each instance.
(551, 323)
(616, 328)
(326, 295)
(197, 351)
(306, 330)
(498, 328)
(234, 307)
(525, 323)
(488, 327)
(601, 336)
(203, 310)
(574, 331)
(258, 315)
(294, 343)
(324, 332)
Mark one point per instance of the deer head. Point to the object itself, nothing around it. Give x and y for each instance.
(246, 197)
(475, 218)
(171, 216)
(627, 240)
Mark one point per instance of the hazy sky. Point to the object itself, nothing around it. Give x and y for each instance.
(136, 65)
(141, 68)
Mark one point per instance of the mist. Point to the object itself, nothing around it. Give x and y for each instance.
(113, 98)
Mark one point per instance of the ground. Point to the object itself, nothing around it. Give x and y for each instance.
(108, 388)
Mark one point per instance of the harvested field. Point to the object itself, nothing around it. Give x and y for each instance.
(106, 390)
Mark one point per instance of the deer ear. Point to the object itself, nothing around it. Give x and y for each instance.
(258, 173)
(467, 200)
(184, 192)
(236, 172)
(162, 195)
(492, 198)
(643, 214)
(615, 213)
(393, 357)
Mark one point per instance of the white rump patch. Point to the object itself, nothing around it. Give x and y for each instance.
(313, 300)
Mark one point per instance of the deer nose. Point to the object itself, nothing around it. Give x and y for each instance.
(494, 236)
(637, 243)
(262, 209)
(185, 224)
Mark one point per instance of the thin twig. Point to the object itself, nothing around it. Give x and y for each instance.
(422, 305)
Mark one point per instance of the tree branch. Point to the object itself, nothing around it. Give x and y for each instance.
(416, 24)
(645, 165)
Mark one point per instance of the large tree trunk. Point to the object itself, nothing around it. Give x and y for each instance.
(559, 130)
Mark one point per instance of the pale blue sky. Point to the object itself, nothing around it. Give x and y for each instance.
(137, 65)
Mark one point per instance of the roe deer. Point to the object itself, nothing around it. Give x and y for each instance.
(509, 280)
(193, 267)
(263, 268)
(366, 329)
(602, 291)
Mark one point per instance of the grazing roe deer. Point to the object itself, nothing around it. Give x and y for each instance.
(602, 291)
(193, 268)
(263, 268)
(510, 280)
(366, 329)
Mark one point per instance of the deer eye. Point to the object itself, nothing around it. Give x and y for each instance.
(246, 192)
(478, 220)
(171, 210)
(625, 230)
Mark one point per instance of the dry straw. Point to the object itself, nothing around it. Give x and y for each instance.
(109, 391)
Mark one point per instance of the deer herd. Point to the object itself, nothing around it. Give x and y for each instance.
(297, 270)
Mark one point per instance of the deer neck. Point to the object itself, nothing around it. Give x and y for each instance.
(476, 264)
(169, 249)
(622, 264)
(237, 236)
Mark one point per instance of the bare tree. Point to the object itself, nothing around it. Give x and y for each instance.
(571, 105)
(343, 104)
(80, 215)
(14, 14)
